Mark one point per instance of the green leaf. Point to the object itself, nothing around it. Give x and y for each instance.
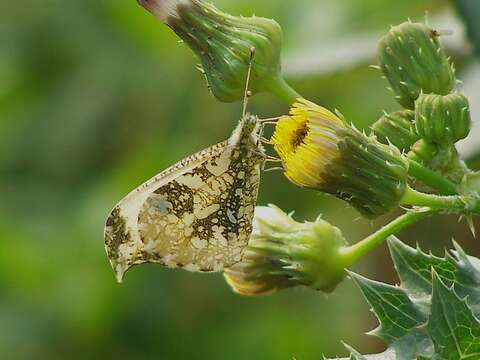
(414, 269)
(467, 282)
(433, 314)
(397, 314)
(452, 326)
(400, 319)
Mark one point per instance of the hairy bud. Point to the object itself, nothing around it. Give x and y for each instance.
(413, 61)
(224, 44)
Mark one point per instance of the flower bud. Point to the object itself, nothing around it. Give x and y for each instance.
(224, 44)
(440, 158)
(322, 152)
(284, 253)
(413, 61)
(442, 120)
(397, 128)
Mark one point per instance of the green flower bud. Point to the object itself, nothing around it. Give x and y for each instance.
(423, 152)
(284, 253)
(322, 152)
(397, 128)
(440, 158)
(224, 44)
(413, 61)
(442, 120)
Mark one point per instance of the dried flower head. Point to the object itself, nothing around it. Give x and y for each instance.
(284, 253)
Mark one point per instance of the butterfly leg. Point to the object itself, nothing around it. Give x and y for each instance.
(266, 141)
(277, 168)
(263, 123)
(260, 134)
(272, 159)
(272, 120)
(261, 138)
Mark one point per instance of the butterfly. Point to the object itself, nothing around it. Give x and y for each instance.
(197, 214)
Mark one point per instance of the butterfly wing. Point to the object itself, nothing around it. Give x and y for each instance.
(196, 215)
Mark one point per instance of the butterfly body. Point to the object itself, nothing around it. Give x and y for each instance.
(197, 214)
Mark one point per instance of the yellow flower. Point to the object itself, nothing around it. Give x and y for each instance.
(307, 142)
(323, 152)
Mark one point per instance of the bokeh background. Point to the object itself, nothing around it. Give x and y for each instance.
(96, 97)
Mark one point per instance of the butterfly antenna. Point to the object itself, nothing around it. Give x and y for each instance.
(248, 93)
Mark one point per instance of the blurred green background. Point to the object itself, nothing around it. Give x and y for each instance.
(98, 96)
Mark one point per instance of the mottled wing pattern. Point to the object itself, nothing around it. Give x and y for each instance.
(122, 239)
(196, 215)
(203, 219)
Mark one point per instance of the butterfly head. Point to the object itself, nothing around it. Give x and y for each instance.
(246, 134)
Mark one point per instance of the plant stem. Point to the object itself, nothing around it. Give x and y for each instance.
(416, 198)
(432, 179)
(353, 253)
(279, 87)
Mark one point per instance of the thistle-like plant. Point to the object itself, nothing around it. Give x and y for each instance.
(434, 312)
(407, 161)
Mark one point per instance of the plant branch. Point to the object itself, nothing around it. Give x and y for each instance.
(416, 198)
(353, 253)
(432, 179)
(279, 87)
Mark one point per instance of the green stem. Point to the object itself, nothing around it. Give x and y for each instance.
(352, 254)
(432, 179)
(416, 198)
(279, 87)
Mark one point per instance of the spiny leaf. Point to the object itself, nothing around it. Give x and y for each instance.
(414, 268)
(456, 268)
(401, 320)
(397, 314)
(452, 326)
(467, 284)
(434, 314)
